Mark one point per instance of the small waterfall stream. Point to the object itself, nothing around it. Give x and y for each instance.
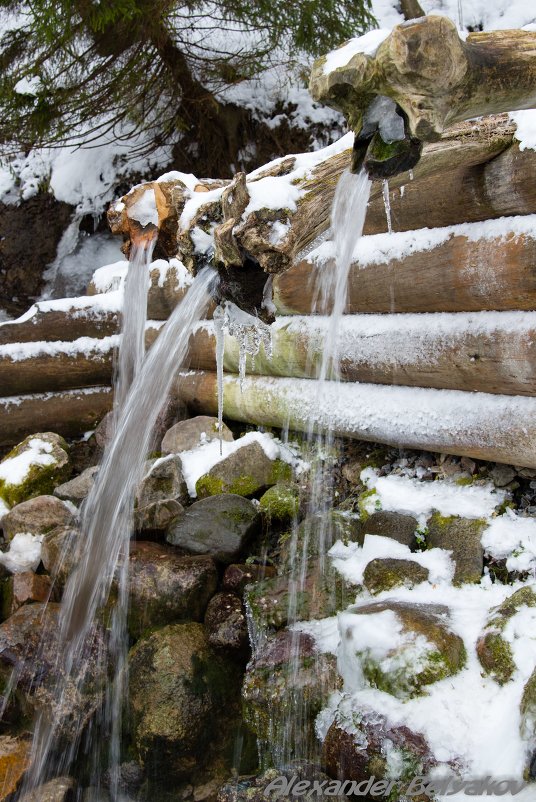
(106, 523)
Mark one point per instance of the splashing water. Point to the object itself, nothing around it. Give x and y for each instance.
(387, 204)
(106, 523)
(134, 317)
(250, 332)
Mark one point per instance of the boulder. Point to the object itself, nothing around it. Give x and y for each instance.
(245, 472)
(24, 588)
(369, 747)
(281, 503)
(160, 495)
(226, 625)
(395, 525)
(14, 760)
(276, 785)
(398, 647)
(461, 536)
(236, 577)
(387, 573)
(219, 526)
(179, 691)
(29, 644)
(59, 553)
(78, 488)
(61, 789)
(37, 516)
(188, 434)
(317, 533)
(165, 587)
(34, 467)
(286, 685)
(493, 650)
(158, 516)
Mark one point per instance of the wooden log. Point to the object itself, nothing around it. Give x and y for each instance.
(69, 413)
(486, 352)
(463, 273)
(435, 78)
(44, 323)
(478, 425)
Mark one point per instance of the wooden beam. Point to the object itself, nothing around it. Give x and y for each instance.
(489, 427)
(44, 323)
(69, 413)
(486, 352)
(464, 273)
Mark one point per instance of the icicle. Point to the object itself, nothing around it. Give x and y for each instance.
(387, 204)
(411, 175)
(219, 317)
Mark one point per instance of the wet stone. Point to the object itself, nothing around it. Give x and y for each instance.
(236, 577)
(36, 516)
(188, 434)
(388, 573)
(78, 488)
(225, 623)
(395, 525)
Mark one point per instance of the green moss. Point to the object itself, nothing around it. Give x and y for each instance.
(464, 481)
(495, 655)
(40, 479)
(280, 503)
(208, 485)
(363, 503)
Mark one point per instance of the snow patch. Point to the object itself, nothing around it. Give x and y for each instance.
(367, 44)
(24, 553)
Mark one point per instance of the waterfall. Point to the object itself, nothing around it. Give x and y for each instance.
(106, 524)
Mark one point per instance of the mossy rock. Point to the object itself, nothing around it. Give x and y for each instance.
(493, 650)
(385, 574)
(39, 463)
(246, 472)
(368, 503)
(317, 533)
(395, 525)
(427, 651)
(461, 536)
(281, 503)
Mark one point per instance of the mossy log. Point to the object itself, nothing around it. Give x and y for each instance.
(493, 353)
(436, 78)
(461, 274)
(69, 413)
(482, 426)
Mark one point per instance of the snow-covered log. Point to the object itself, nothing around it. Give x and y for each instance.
(499, 428)
(68, 319)
(487, 352)
(466, 268)
(434, 76)
(69, 413)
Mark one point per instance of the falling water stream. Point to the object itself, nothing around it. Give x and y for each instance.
(106, 524)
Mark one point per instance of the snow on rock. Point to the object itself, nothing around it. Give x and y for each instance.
(512, 538)
(403, 494)
(24, 553)
(366, 44)
(14, 470)
(144, 209)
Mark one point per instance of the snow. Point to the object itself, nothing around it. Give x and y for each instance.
(366, 44)
(70, 274)
(144, 209)
(272, 192)
(199, 461)
(526, 128)
(403, 494)
(512, 538)
(4, 509)
(83, 346)
(28, 86)
(14, 470)
(110, 277)
(24, 553)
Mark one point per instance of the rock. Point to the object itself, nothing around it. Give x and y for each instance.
(281, 503)
(395, 525)
(60, 790)
(388, 573)
(317, 533)
(165, 587)
(220, 526)
(34, 467)
(272, 785)
(493, 650)
(236, 577)
(25, 588)
(225, 623)
(59, 553)
(29, 644)
(246, 471)
(502, 475)
(14, 760)
(104, 431)
(163, 481)
(374, 749)
(158, 516)
(37, 516)
(273, 699)
(416, 647)
(528, 709)
(461, 536)
(179, 691)
(188, 434)
(323, 595)
(78, 488)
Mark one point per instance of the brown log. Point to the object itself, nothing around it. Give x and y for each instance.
(489, 427)
(484, 353)
(435, 77)
(69, 413)
(50, 325)
(460, 275)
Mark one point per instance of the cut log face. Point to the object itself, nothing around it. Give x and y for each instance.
(490, 427)
(436, 78)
